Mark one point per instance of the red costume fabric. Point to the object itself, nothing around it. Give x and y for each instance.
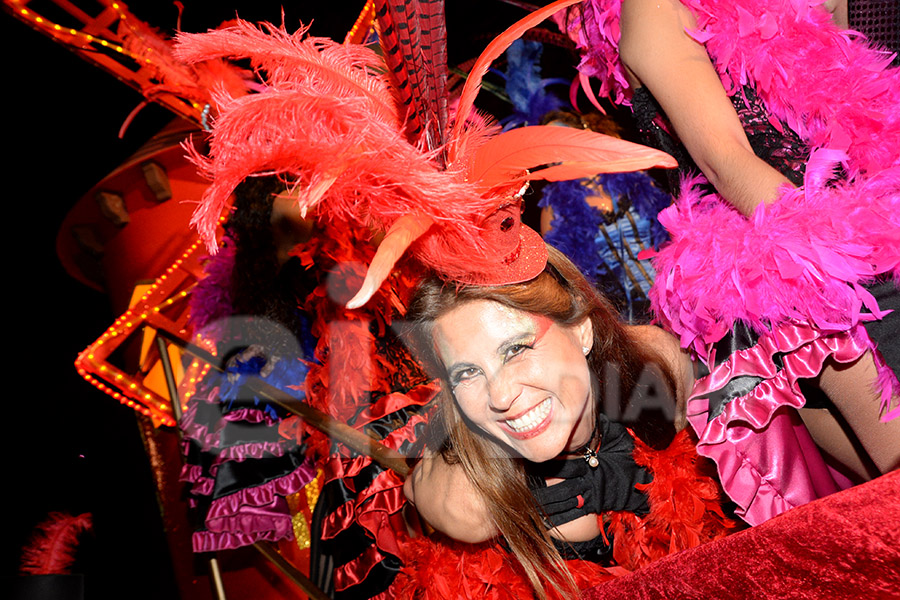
(685, 511)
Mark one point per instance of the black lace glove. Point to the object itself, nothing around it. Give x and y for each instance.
(593, 490)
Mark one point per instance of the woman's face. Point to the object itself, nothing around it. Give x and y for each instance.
(520, 377)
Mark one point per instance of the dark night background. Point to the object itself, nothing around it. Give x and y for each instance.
(69, 447)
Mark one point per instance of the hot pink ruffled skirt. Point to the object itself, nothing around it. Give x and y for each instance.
(766, 459)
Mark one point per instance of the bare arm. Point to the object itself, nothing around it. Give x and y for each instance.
(448, 501)
(658, 54)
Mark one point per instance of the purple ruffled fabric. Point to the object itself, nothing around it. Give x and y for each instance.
(252, 514)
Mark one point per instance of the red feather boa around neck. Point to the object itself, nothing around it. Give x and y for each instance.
(685, 511)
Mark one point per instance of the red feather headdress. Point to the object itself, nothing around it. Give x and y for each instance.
(355, 142)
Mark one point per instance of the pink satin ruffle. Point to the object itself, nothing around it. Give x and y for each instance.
(252, 514)
(766, 460)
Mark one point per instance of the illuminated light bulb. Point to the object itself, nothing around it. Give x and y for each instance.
(89, 38)
(38, 20)
(104, 43)
(133, 386)
(91, 356)
(119, 376)
(128, 325)
(73, 32)
(57, 27)
(163, 407)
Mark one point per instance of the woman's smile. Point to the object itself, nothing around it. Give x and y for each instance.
(532, 422)
(521, 378)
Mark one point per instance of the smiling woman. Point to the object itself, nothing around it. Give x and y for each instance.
(520, 446)
(525, 382)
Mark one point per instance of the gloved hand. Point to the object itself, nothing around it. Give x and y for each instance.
(593, 490)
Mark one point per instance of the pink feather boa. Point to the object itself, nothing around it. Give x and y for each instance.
(804, 256)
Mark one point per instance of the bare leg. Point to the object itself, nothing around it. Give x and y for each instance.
(850, 387)
(838, 444)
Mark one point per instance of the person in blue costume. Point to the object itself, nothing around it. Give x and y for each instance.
(602, 223)
(605, 223)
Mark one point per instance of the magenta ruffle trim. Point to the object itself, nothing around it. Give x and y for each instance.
(205, 541)
(250, 415)
(254, 450)
(209, 441)
(202, 485)
(766, 460)
(253, 514)
(241, 452)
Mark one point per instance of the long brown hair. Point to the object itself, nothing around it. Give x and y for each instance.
(563, 294)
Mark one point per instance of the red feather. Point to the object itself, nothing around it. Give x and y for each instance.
(51, 550)
(497, 47)
(563, 153)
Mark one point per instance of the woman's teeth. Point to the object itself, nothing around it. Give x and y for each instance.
(532, 418)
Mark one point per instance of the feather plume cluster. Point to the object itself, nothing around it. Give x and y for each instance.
(327, 123)
(413, 39)
(331, 125)
(51, 550)
(793, 260)
(436, 569)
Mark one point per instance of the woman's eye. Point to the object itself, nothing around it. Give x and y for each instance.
(463, 376)
(515, 350)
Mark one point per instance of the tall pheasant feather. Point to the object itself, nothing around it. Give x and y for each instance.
(413, 39)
